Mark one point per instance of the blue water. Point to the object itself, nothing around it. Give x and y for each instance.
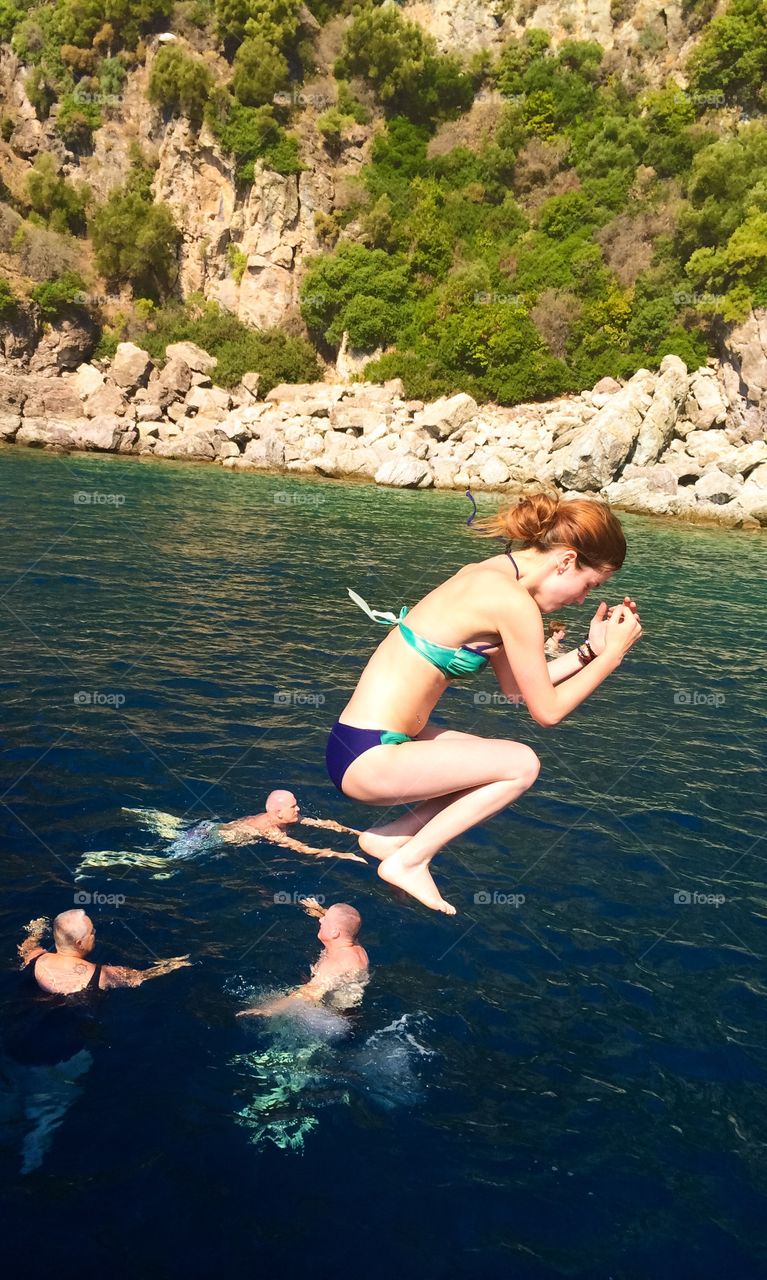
(573, 1086)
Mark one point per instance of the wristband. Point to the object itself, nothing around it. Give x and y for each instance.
(585, 653)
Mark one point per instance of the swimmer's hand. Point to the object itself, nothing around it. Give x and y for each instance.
(271, 1006)
(597, 636)
(167, 966)
(342, 857)
(312, 908)
(36, 928)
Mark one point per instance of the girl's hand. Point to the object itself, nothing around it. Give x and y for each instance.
(597, 636)
(622, 630)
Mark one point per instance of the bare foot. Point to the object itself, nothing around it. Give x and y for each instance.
(417, 881)
(378, 846)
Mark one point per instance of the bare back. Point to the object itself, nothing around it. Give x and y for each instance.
(61, 975)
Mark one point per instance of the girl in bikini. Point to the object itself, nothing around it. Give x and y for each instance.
(489, 611)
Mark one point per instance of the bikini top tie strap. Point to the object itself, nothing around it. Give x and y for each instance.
(382, 616)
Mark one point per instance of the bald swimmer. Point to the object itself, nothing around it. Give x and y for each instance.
(66, 970)
(338, 977)
(282, 811)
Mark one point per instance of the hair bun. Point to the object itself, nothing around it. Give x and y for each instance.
(534, 516)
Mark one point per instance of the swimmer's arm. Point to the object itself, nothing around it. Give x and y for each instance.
(289, 843)
(31, 945)
(311, 993)
(330, 824)
(313, 908)
(113, 975)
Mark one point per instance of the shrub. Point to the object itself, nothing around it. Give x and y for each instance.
(77, 119)
(54, 295)
(8, 299)
(334, 284)
(57, 201)
(260, 70)
(179, 83)
(277, 356)
(731, 58)
(403, 66)
(252, 133)
(136, 242)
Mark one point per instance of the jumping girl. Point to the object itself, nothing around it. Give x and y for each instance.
(384, 751)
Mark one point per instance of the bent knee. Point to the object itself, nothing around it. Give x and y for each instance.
(527, 766)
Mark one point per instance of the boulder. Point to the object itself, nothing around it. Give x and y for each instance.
(51, 398)
(658, 423)
(148, 412)
(86, 380)
(706, 405)
(248, 386)
(67, 341)
(194, 357)
(106, 400)
(599, 449)
(717, 487)
(446, 415)
(41, 433)
(201, 445)
(131, 366)
(173, 380)
(494, 473)
(405, 472)
(210, 401)
(106, 435)
(606, 387)
(9, 425)
(13, 394)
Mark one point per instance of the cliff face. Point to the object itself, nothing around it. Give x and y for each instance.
(272, 221)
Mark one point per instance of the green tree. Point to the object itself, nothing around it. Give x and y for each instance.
(136, 242)
(731, 58)
(260, 70)
(179, 83)
(52, 296)
(402, 64)
(61, 204)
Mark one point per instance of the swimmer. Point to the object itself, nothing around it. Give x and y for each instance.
(66, 970)
(339, 974)
(282, 811)
(384, 750)
(553, 646)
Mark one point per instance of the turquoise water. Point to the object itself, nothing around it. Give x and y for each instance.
(570, 1086)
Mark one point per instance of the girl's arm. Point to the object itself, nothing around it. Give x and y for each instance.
(522, 636)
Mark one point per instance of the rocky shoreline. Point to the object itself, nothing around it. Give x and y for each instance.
(670, 443)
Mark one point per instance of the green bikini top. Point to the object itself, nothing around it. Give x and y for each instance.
(461, 661)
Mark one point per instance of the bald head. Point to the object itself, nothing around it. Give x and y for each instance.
(343, 920)
(73, 930)
(282, 807)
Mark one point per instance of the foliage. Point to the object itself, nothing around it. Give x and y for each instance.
(8, 299)
(52, 296)
(135, 240)
(58, 202)
(277, 356)
(731, 58)
(179, 83)
(252, 133)
(400, 61)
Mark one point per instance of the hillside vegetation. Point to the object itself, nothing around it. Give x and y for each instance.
(529, 220)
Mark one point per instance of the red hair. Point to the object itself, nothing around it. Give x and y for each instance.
(545, 522)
